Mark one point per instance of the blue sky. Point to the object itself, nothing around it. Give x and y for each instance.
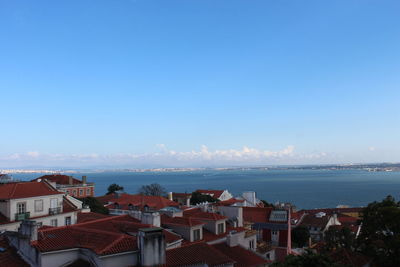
(197, 83)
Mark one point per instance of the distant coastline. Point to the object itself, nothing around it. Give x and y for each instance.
(371, 167)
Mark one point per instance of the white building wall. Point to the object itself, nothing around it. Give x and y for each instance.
(59, 258)
(30, 205)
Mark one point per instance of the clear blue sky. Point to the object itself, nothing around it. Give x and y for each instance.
(293, 81)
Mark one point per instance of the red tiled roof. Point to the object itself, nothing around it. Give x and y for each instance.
(331, 211)
(229, 202)
(59, 179)
(181, 221)
(90, 216)
(213, 193)
(68, 206)
(99, 241)
(198, 253)
(171, 237)
(209, 236)
(25, 190)
(256, 214)
(155, 202)
(312, 220)
(200, 215)
(10, 257)
(242, 257)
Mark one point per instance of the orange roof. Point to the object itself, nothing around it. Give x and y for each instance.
(10, 257)
(210, 236)
(180, 221)
(213, 193)
(59, 179)
(103, 236)
(197, 253)
(25, 190)
(256, 214)
(90, 216)
(229, 202)
(200, 215)
(242, 257)
(124, 200)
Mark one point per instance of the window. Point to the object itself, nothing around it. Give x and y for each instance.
(74, 192)
(68, 220)
(38, 205)
(53, 222)
(21, 207)
(53, 203)
(87, 191)
(196, 234)
(251, 244)
(81, 192)
(221, 229)
(274, 235)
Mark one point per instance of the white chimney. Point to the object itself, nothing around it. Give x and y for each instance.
(170, 196)
(151, 243)
(29, 230)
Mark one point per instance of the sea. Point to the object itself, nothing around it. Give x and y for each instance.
(306, 189)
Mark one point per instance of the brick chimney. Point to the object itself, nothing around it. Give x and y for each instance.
(84, 180)
(151, 243)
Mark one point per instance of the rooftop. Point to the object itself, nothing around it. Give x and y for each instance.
(59, 179)
(26, 190)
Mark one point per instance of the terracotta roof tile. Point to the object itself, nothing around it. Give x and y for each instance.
(200, 215)
(25, 190)
(59, 179)
(198, 253)
(90, 216)
(9, 257)
(124, 200)
(183, 221)
(256, 214)
(242, 257)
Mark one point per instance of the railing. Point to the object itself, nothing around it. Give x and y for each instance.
(22, 216)
(74, 185)
(53, 211)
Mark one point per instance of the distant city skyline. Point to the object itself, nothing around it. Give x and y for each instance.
(198, 83)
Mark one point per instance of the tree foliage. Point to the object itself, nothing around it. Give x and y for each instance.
(380, 232)
(308, 259)
(300, 236)
(200, 198)
(152, 190)
(336, 238)
(113, 188)
(266, 203)
(94, 205)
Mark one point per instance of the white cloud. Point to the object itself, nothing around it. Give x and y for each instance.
(167, 157)
(371, 148)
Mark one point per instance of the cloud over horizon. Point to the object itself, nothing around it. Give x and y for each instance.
(204, 157)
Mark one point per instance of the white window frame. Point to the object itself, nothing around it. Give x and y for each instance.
(21, 207)
(37, 201)
(54, 222)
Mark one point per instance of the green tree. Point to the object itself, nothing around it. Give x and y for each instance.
(380, 232)
(300, 236)
(200, 198)
(266, 203)
(113, 188)
(336, 238)
(94, 205)
(308, 259)
(152, 190)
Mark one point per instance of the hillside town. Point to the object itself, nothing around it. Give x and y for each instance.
(49, 222)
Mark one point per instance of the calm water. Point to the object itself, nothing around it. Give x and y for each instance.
(304, 188)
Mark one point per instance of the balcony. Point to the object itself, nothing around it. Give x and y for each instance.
(53, 211)
(22, 216)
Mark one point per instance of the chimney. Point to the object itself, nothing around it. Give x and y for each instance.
(170, 196)
(70, 180)
(151, 243)
(84, 179)
(152, 218)
(29, 230)
(250, 196)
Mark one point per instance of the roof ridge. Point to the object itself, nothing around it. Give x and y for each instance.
(112, 244)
